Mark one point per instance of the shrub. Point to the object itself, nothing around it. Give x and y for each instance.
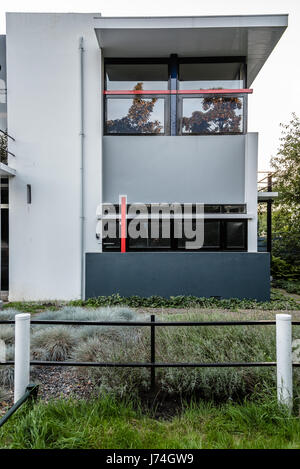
(53, 343)
(7, 371)
(7, 333)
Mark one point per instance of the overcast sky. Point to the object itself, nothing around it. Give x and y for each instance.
(276, 89)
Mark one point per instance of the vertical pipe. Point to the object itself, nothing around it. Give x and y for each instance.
(81, 49)
(152, 353)
(22, 354)
(284, 359)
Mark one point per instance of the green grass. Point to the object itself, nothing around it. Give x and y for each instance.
(108, 424)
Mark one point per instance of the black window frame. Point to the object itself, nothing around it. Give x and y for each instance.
(173, 116)
(182, 96)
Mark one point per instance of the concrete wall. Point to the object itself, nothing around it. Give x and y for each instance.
(224, 274)
(208, 169)
(43, 69)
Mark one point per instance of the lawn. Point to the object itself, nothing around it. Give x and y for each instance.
(112, 424)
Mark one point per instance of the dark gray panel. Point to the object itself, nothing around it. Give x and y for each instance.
(224, 274)
(208, 169)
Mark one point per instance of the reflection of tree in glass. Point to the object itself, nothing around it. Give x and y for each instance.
(137, 120)
(220, 115)
(3, 148)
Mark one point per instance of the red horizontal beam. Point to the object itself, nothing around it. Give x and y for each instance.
(218, 91)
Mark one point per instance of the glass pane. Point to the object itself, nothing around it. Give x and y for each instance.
(112, 243)
(212, 208)
(234, 209)
(212, 114)
(211, 76)
(235, 234)
(140, 243)
(212, 234)
(136, 76)
(136, 115)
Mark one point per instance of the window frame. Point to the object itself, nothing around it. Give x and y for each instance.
(166, 99)
(183, 96)
(173, 114)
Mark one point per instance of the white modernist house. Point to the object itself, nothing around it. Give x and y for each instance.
(151, 108)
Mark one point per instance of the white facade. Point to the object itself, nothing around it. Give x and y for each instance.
(44, 117)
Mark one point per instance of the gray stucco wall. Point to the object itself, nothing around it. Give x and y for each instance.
(224, 274)
(208, 169)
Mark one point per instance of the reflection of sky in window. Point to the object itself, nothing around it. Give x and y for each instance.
(210, 84)
(118, 108)
(130, 85)
(191, 105)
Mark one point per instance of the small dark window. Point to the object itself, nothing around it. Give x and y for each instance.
(235, 235)
(29, 193)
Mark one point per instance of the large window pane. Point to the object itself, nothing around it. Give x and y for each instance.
(136, 76)
(212, 114)
(212, 234)
(138, 115)
(201, 76)
(235, 235)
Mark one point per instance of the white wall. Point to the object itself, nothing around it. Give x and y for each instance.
(43, 68)
(251, 155)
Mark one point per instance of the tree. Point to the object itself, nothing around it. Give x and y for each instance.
(286, 214)
(220, 115)
(3, 148)
(137, 120)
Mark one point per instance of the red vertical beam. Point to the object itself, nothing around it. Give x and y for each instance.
(123, 200)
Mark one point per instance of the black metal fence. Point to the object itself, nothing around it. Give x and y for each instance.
(153, 364)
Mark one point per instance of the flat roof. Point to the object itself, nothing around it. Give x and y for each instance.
(250, 36)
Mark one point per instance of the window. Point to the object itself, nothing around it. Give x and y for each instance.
(235, 235)
(212, 114)
(219, 235)
(205, 76)
(137, 115)
(171, 96)
(136, 76)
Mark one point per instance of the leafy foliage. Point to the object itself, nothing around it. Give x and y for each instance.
(286, 214)
(220, 114)
(278, 302)
(137, 120)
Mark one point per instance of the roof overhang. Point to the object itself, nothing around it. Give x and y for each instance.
(265, 196)
(6, 171)
(252, 36)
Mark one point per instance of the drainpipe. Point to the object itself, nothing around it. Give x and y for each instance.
(81, 50)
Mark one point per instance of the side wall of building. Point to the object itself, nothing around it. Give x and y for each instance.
(43, 70)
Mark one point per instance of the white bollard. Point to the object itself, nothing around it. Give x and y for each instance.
(22, 354)
(284, 359)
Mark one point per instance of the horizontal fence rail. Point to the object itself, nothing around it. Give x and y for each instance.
(284, 348)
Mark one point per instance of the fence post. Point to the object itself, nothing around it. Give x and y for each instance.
(152, 353)
(284, 359)
(22, 354)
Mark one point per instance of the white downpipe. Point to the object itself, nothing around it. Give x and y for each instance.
(22, 354)
(81, 50)
(284, 359)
